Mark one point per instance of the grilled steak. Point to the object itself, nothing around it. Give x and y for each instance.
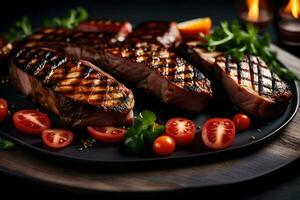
(250, 84)
(77, 91)
(159, 71)
(122, 28)
(147, 64)
(164, 33)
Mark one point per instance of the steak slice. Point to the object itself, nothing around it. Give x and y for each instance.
(122, 28)
(159, 71)
(77, 91)
(250, 84)
(164, 33)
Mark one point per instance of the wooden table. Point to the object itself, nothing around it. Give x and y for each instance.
(278, 152)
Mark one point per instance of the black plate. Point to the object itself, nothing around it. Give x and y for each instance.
(102, 153)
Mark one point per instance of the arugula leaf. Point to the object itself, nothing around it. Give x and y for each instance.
(75, 16)
(236, 42)
(5, 144)
(21, 30)
(143, 131)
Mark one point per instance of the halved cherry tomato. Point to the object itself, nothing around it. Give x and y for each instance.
(218, 133)
(57, 138)
(182, 130)
(241, 121)
(31, 121)
(3, 109)
(164, 145)
(195, 26)
(107, 133)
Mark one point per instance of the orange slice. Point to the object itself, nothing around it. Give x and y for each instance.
(195, 26)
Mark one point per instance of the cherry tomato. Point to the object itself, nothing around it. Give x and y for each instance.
(3, 109)
(195, 26)
(31, 121)
(107, 133)
(241, 121)
(57, 138)
(218, 133)
(181, 130)
(164, 145)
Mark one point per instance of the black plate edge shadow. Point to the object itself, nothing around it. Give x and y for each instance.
(141, 162)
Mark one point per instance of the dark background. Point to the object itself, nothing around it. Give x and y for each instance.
(283, 184)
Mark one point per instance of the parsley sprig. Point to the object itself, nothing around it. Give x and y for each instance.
(74, 17)
(236, 42)
(143, 131)
(21, 30)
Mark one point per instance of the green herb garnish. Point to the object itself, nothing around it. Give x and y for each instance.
(144, 131)
(5, 144)
(75, 16)
(236, 42)
(21, 30)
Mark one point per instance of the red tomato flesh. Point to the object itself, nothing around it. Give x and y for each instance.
(3, 109)
(107, 133)
(31, 121)
(57, 138)
(182, 130)
(218, 133)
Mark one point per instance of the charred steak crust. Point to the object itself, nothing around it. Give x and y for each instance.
(76, 90)
(250, 84)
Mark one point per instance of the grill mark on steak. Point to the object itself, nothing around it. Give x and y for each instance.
(259, 74)
(228, 59)
(250, 64)
(273, 82)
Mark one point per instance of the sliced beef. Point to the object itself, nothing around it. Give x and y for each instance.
(250, 84)
(160, 72)
(144, 62)
(122, 28)
(77, 91)
(164, 33)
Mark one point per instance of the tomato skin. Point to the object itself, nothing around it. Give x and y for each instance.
(3, 109)
(218, 133)
(164, 145)
(57, 138)
(107, 133)
(182, 130)
(241, 121)
(31, 121)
